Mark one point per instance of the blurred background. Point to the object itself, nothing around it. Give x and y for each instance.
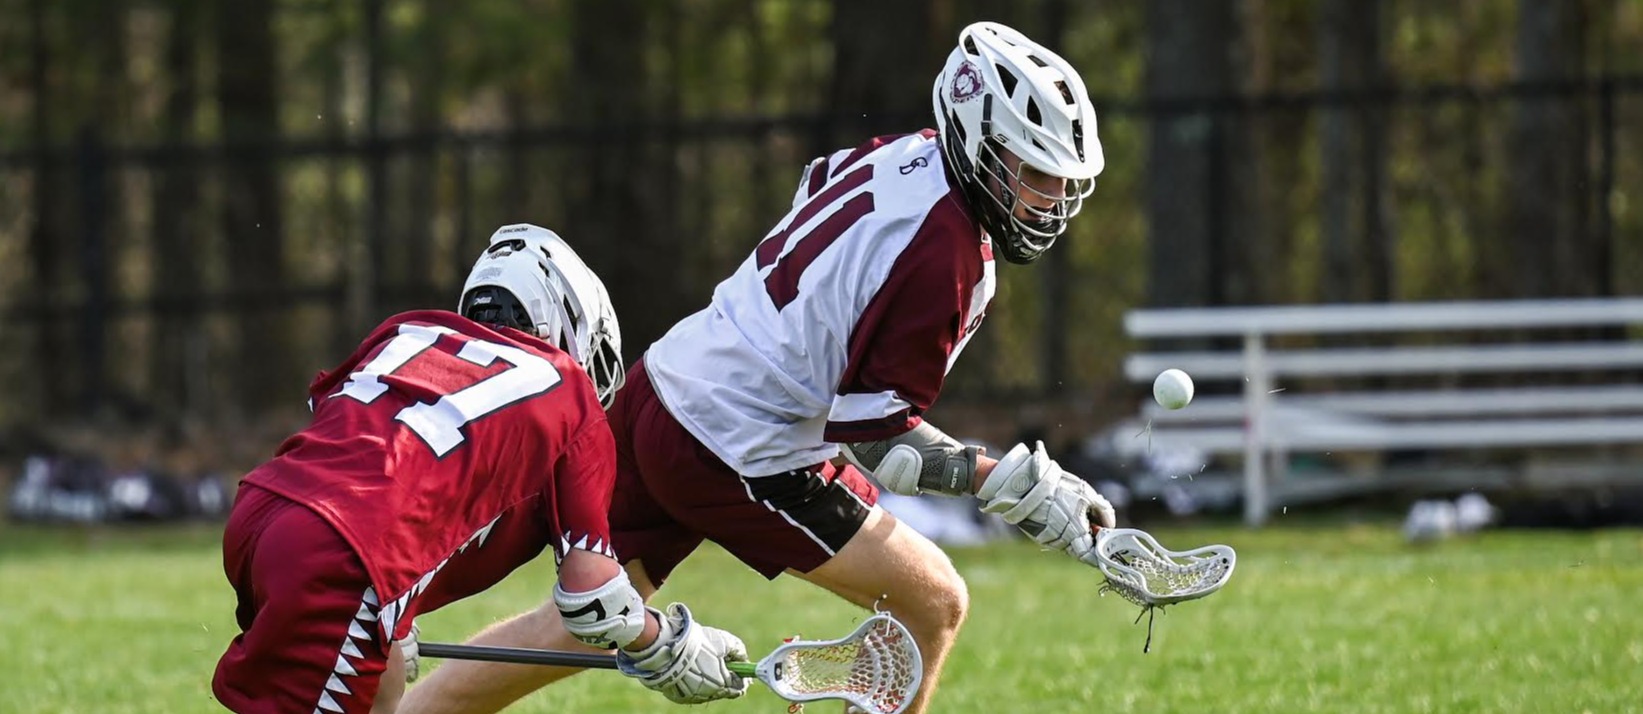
(202, 203)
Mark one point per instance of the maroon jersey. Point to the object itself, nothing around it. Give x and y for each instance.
(432, 429)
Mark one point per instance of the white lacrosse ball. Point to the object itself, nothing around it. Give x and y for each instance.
(1172, 389)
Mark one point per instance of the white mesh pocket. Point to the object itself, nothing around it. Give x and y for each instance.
(1148, 574)
(877, 668)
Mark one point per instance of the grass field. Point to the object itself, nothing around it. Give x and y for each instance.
(1328, 619)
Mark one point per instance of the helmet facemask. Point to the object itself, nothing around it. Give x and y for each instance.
(606, 369)
(1022, 240)
(995, 192)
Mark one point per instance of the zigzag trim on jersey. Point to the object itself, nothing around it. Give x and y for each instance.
(348, 654)
(393, 611)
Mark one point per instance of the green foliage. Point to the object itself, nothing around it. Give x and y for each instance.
(1468, 42)
(698, 183)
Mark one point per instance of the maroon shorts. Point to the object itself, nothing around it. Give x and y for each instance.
(309, 619)
(672, 492)
(308, 634)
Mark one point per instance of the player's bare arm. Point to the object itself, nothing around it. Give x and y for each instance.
(1026, 488)
(667, 651)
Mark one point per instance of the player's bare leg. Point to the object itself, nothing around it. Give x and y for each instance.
(464, 687)
(392, 685)
(888, 560)
(458, 686)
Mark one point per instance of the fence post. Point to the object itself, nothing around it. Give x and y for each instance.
(1256, 395)
(92, 163)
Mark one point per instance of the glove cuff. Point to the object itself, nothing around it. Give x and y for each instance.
(666, 632)
(1021, 483)
(1003, 472)
(652, 660)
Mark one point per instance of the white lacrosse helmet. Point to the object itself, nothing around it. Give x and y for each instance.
(530, 279)
(1001, 90)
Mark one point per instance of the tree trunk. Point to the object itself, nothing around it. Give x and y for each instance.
(881, 80)
(1057, 276)
(1243, 258)
(426, 120)
(372, 265)
(246, 95)
(1189, 56)
(176, 271)
(1551, 254)
(342, 216)
(98, 208)
(47, 231)
(1357, 256)
(624, 226)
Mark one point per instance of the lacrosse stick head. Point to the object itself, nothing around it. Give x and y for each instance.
(877, 668)
(1150, 575)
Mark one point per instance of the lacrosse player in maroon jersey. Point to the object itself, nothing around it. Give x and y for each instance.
(832, 339)
(447, 451)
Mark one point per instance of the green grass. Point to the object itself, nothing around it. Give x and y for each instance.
(1343, 619)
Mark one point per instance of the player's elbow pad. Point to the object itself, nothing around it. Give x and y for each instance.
(919, 461)
(609, 616)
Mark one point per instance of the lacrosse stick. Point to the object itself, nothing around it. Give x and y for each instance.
(877, 668)
(1152, 576)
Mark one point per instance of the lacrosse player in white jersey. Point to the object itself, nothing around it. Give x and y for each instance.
(825, 347)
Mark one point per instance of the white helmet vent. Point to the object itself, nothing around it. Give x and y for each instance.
(1007, 78)
(1066, 94)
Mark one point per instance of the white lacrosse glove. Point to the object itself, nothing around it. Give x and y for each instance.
(410, 652)
(1057, 509)
(686, 663)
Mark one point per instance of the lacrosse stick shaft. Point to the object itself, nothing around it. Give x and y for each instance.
(551, 658)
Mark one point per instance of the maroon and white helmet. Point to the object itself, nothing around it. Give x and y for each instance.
(1001, 90)
(530, 279)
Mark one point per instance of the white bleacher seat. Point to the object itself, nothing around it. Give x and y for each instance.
(1271, 418)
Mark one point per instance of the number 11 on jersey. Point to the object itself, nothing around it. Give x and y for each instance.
(782, 283)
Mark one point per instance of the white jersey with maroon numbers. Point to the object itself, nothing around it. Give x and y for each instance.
(842, 324)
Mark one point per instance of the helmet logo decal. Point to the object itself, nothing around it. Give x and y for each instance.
(966, 83)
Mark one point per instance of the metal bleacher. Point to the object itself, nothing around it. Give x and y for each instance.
(1277, 412)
